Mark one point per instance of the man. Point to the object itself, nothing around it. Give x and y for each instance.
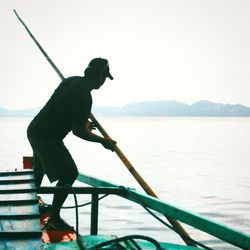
(67, 110)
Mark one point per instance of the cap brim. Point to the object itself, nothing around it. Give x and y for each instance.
(110, 76)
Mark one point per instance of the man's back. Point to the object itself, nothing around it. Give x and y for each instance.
(71, 102)
(64, 85)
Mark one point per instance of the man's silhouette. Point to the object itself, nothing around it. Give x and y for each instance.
(68, 109)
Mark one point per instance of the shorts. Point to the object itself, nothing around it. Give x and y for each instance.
(53, 159)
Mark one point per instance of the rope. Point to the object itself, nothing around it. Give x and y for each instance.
(127, 238)
(79, 240)
(81, 205)
(135, 244)
(84, 204)
(159, 219)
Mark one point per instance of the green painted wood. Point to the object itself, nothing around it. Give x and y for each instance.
(21, 244)
(19, 216)
(18, 181)
(20, 225)
(20, 172)
(202, 223)
(15, 235)
(16, 186)
(92, 240)
(17, 177)
(19, 209)
(19, 212)
(94, 182)
(82, 190)
(19, 202)
(18, 191)
(17, 197)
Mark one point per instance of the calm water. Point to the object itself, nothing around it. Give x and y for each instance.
(200, 164)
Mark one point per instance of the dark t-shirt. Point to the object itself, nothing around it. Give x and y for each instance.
(70, 103)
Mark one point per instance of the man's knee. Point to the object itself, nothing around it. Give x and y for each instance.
(73, 177)
(68, 179)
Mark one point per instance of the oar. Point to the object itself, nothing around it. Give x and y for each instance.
(176, 225)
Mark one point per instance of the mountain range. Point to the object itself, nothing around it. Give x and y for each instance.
(156, 108)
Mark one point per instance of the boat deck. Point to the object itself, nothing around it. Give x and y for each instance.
(92, 240)
(19, 211)
(21, 221)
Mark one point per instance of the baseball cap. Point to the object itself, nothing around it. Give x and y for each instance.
(99, 64)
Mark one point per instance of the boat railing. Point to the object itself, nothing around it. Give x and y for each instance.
(195, 220)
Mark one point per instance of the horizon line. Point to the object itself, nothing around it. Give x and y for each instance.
(135, 102)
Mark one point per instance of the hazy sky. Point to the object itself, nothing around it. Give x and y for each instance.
(185, 50)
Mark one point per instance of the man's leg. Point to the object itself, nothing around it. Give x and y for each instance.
(60, 197)
(58, 164)
(38, 170)
(37, 165)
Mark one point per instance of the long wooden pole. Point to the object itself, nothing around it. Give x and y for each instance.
(176, 225)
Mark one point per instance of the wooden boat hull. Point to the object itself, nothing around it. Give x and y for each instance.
(21, 219)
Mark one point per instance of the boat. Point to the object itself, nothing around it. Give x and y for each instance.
(23, 213)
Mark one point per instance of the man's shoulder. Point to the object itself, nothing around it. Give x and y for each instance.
(75, 81)
(73, 78)
(77, 88)
(70, 80)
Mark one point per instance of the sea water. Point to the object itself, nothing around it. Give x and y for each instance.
(199, 164)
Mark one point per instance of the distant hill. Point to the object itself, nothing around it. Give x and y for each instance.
(175, 108)
(156, 108)
(19, 112)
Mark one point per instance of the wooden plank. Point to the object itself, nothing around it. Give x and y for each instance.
(22, 172)
(93, 240)
(19, 202)
(19, 209)
(17, 177)
(19, 212)
(17, 191)
(20, 225)
(29, 244)
(82, 190)
(94, 182)
(20, 196)
(18, 216)
(202, 223)
(10, 181)
(15, 186)
(3, 182)
(20, 235)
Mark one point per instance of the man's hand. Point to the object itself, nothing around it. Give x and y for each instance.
(90, 125)
(84, 132)
(108, 143)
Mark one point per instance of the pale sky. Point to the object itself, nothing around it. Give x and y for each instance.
(185, 50)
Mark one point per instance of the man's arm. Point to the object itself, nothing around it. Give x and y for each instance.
(85, 133)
